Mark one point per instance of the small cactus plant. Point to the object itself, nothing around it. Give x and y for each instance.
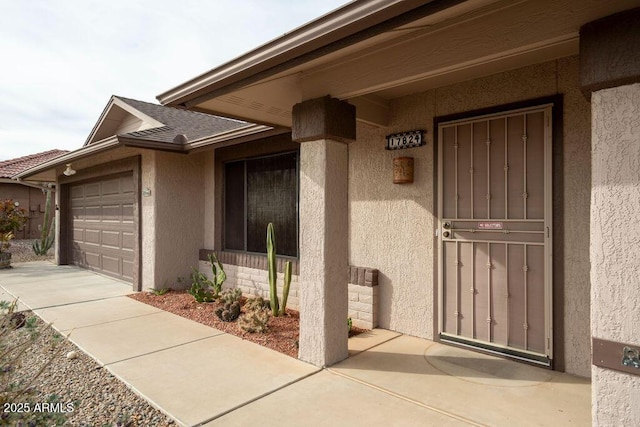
(230, 295)
(257, 316)
(47, 235)
(276, 309)
(229, 312)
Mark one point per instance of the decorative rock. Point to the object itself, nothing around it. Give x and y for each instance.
(72, 355)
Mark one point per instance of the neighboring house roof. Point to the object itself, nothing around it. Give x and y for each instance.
(9, 168)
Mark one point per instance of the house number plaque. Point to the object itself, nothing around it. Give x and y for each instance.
(410, 139)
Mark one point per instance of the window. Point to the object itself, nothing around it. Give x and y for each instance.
(256, 192)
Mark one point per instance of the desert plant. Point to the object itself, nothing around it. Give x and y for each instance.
(200, 285)
(230, 295)
(229, 311)
(159, 292)
(276, 309)
(219, 276)
(203, 289)
(12, 218)
(47, 235)
(256, 317)
(349, 323)
(257, 303)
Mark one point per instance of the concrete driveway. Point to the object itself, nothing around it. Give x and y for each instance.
(389, 379)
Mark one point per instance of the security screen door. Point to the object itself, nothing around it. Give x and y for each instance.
(494, 233)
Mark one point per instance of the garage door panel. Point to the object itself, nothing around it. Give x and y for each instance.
(111, 212)
(92, 236)
(111, 186)
(92, 190)
(127, 241)
(111, 265)
(92, 213)
(111, 239)
(127, 212)
(103, 226)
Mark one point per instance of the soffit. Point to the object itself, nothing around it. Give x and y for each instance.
(466, 41)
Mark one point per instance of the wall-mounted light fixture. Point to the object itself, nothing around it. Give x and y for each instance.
(403, 170)
(69, 170)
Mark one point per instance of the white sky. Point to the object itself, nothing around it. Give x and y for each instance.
(60, 61)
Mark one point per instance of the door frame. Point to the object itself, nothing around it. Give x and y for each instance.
(554, 253)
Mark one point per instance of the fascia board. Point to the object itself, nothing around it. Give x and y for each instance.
(86, 151)
(304, 39)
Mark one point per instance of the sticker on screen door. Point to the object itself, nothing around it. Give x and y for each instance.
(490, 226)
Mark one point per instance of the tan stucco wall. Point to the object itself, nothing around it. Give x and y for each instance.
(177, 187)
(392, 226)
(615, 246)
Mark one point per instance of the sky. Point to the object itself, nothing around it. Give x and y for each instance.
(61, 60)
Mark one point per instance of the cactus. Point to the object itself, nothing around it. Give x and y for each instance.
(199, 286)
(257, 303)
(229, 312)
(287, 285)
(47, 235)
(219, 276)
(257, 316)
(273, 271)
(276, 309)
(230, 295)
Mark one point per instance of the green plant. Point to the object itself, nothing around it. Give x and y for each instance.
(200, 285)
(276, 309)
(159, 292)
(219, 276)
(349, 323)
(203, 289)
(47, 235)
(12, 218)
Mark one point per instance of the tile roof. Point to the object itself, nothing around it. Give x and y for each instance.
(192, 124)
(9, 168)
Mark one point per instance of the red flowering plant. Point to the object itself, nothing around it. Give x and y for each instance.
(12, 218)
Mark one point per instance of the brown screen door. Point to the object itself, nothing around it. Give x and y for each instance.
(494, 233)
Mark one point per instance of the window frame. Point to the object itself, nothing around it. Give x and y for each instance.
(244, 161)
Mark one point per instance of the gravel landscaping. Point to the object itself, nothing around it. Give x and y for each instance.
(88, 393)
(22, 251)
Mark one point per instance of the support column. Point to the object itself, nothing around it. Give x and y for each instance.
(323, 126)
(610, 75)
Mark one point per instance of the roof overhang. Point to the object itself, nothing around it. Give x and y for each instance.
(47, 171)
(373, 51)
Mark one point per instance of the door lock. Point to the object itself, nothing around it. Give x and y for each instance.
(446, 225)
(446, 234)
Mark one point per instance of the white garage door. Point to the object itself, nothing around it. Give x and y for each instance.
(102, 225)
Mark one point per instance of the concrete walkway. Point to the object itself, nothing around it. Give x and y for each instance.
(201, 376)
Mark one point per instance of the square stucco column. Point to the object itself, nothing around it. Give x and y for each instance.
(610, 76)
(323, 126)
(615, 249)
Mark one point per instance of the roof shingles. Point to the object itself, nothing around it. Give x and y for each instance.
(11, 167)
(192, 124)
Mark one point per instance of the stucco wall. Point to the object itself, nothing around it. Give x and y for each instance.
(177, 193)
(392, 226)
(615, 246)
(32, 200)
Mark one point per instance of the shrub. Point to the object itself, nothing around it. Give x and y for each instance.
(12, 218)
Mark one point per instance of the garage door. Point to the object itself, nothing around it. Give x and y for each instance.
(102, 225)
